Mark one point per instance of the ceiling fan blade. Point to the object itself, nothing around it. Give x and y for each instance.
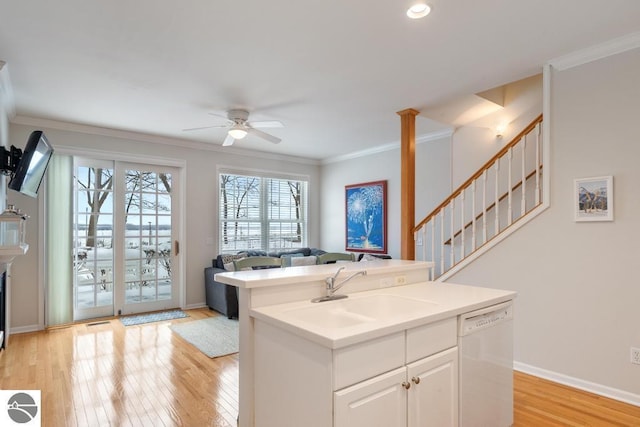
(266, 124)
(228, 141)
(263, 135)
(204, 127)
(219, 115)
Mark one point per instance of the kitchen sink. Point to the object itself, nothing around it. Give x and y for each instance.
(359, 310)
(381, 306)
(329, 316)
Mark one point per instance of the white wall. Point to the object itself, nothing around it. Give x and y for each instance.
(475, 143)
(4, 122)
(200, 210)
(578, 305)
(432, 165)
(441, 165)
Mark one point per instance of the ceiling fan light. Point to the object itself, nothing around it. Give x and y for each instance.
(418, 10)
(238, 132)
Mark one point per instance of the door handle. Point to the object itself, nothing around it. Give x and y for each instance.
(176, 246)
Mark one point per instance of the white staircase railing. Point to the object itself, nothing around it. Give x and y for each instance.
(504, 190)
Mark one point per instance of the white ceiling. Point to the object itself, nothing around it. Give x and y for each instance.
(334, 72)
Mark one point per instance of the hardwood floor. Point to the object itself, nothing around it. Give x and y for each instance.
(538, 402)
(109, 374)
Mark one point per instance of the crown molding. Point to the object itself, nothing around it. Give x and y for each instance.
(155, 139)
(6, 91)
(196, 145)
(432, 136)
(599, 51)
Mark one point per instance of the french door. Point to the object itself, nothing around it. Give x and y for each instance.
(125, 238)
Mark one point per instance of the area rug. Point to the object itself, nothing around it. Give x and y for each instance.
(152, 317)
(214, 336)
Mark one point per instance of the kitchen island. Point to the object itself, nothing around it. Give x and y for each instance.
(318, 364)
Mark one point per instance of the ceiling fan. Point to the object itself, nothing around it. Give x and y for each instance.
(239, 127)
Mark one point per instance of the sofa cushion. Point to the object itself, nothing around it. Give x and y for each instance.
(317, 252)
(296, 251)
(255, 253)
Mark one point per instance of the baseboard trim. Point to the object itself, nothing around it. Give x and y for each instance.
(599, 389)
(195, 306)
(25, 329)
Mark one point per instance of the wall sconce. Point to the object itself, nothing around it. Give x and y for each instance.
(501, 129)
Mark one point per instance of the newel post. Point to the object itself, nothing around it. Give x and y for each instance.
(407, 182)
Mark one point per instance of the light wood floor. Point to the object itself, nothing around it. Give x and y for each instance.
(109, 374)
(538, 402)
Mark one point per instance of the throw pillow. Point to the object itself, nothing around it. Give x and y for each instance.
(229, 258)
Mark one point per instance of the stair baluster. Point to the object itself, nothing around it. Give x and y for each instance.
(448, 223)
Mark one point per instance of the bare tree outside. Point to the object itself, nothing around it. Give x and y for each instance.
(138, 183)
(295, 187)
(259, 213)
(98, 185)
(141, 181)
(236, 191)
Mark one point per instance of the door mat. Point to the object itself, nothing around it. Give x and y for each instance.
(214, 336)
(152, 317)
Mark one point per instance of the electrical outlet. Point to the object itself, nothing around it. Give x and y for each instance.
(386, 282)
(635, 355)
(401, 280)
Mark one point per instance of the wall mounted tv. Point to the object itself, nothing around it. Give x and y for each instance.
(27, 167)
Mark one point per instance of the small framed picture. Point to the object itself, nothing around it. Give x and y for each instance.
(593, 199)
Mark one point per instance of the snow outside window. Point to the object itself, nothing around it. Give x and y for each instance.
(262, 213)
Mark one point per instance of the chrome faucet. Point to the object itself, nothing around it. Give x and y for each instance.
(332, 287)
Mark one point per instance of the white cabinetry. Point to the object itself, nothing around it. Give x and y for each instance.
(380, 401)
(433, 396)
(422, 394)
(407, 378)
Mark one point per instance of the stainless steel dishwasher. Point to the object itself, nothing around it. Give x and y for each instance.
(485, 341)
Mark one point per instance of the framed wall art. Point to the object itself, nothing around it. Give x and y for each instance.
(366, 217)
(593, 199)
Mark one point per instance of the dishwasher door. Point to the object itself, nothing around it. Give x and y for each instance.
(485, 340)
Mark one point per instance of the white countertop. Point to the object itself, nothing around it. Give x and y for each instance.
(292, 275)
(445, 300)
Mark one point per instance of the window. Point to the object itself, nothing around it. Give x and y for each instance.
(262, 213)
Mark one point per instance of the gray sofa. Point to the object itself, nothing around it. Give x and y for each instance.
(224, 298)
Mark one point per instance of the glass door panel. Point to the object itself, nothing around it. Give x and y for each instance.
(149, 238)
(93, 239)
(123, 238)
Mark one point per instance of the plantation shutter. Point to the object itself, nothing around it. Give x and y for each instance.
(261, 212)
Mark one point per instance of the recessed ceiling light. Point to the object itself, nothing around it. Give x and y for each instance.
(418, 10)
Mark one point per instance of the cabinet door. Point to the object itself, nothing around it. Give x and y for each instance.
(433, 397)
(378, 402)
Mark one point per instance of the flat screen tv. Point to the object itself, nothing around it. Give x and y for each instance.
(32, 165)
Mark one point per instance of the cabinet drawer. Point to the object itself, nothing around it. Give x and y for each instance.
(358, 362)
(426, 340)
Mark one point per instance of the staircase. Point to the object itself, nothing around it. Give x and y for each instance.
(502, 192)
